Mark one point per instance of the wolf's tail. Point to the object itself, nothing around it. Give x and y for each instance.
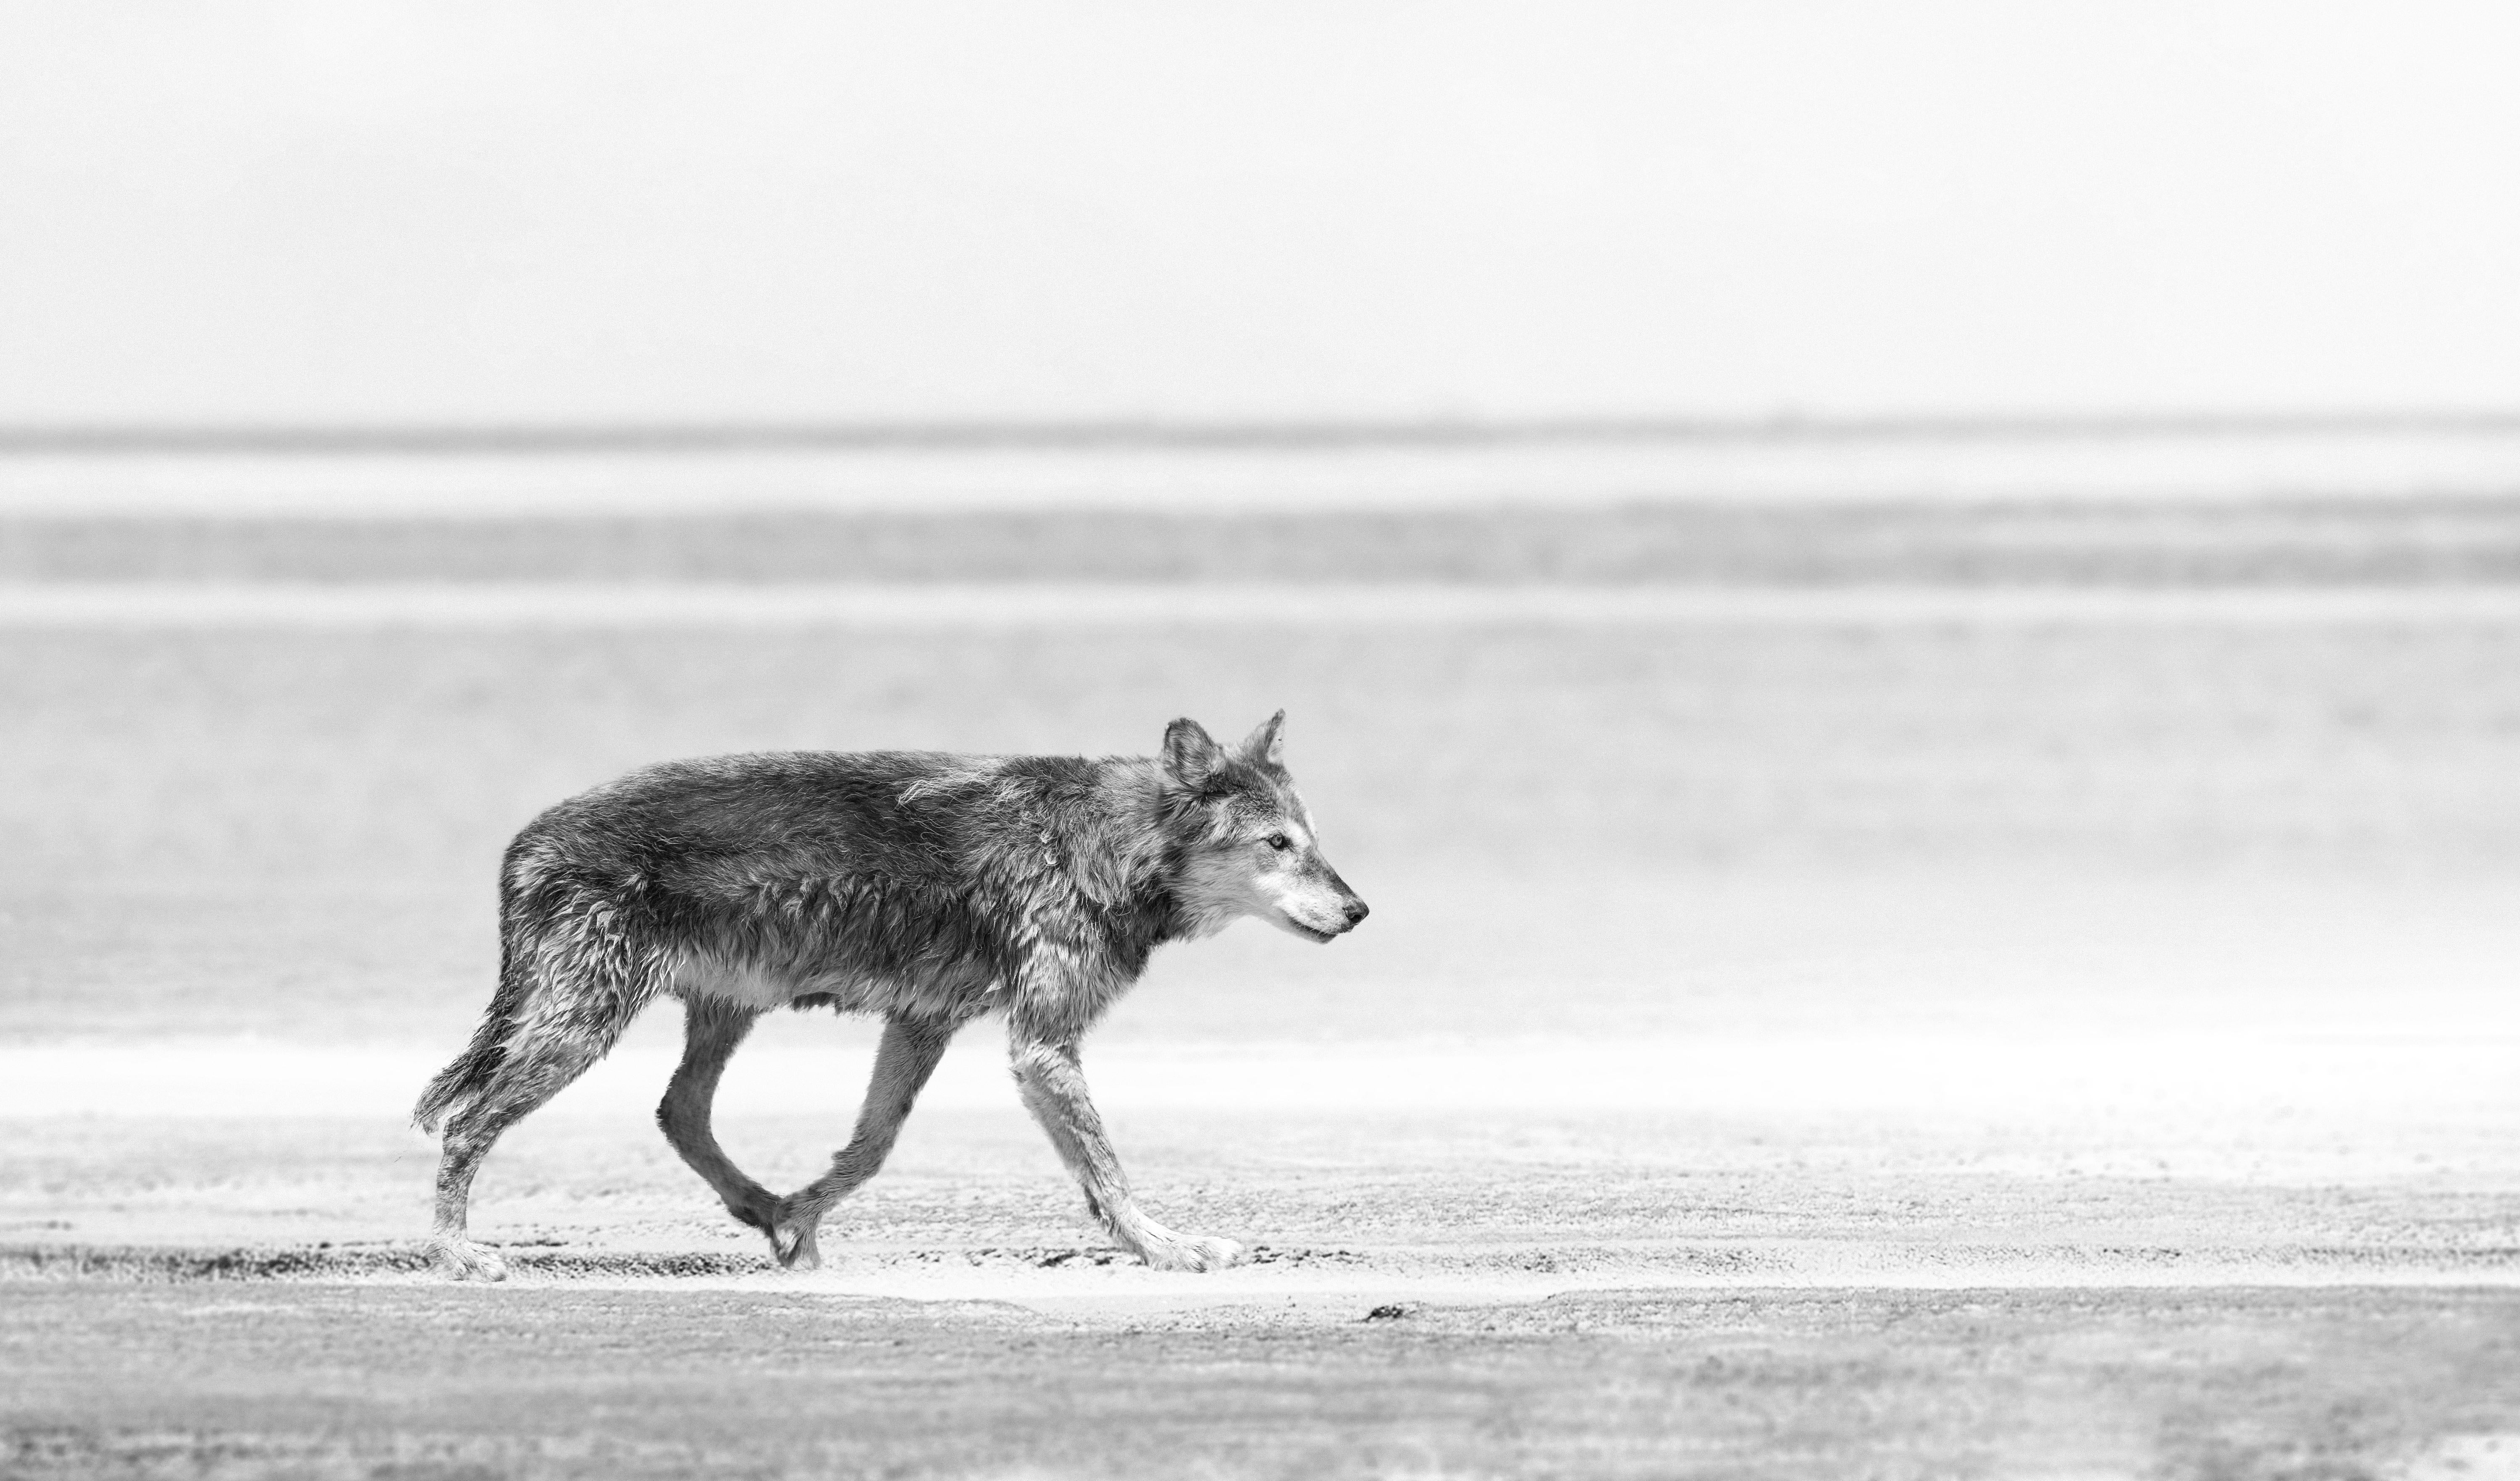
(473, 1070)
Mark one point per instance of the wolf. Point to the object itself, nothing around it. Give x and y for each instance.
(929, 889)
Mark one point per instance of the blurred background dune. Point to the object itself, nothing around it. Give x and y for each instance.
(379, 212)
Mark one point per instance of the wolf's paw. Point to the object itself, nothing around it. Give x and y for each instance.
(1192, 1252)
(464, 1260)
(791, 1240)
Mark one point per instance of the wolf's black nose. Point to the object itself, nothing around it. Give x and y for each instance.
(1357, 909)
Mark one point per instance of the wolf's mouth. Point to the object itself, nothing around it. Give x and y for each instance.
(1314, 932)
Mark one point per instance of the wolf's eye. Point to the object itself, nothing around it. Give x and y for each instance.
(1278, 842)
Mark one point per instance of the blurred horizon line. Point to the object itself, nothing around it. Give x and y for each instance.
(1300, 434)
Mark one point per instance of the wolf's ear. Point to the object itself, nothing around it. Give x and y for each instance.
(1267, 745)
(1191, 754)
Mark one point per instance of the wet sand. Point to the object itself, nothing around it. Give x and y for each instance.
(227, 1380)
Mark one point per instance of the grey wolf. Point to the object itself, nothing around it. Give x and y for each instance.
(929, 889)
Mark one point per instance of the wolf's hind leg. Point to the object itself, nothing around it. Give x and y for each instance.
(1050, 1077)
(557, 1043)
(711, 1030)
(903, 1062)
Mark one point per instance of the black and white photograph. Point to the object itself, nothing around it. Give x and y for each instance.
(1111, 741)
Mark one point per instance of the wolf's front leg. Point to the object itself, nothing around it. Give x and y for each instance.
(1051, 1081)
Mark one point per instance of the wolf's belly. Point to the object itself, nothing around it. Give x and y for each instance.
(953, 992)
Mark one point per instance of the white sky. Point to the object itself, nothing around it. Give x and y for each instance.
(516, 211)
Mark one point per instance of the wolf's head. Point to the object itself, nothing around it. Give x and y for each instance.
(1245, 841)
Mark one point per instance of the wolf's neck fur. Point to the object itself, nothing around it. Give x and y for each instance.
(1119, 849)
(1120, 842)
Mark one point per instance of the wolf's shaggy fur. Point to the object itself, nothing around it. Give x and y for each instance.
(931, 889)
